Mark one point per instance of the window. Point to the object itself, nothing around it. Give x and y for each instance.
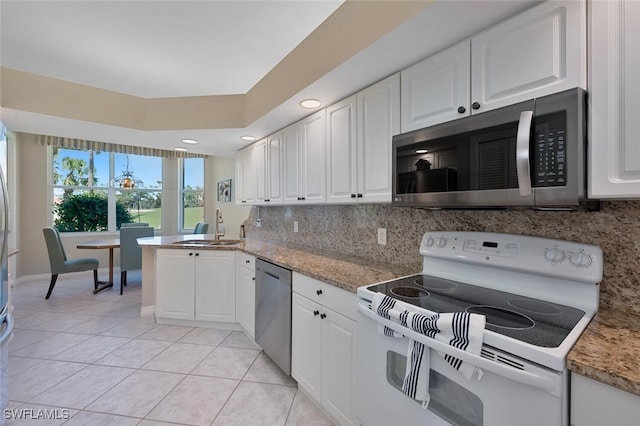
(86, 190)
(192, 192)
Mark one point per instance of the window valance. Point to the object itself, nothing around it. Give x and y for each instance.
(60, 142)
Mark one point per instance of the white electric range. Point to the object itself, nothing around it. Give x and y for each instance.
(537, 294)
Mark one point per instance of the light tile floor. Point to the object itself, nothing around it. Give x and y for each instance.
(91, 360)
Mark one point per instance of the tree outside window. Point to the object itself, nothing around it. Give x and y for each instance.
(82, 195)
(192, 192)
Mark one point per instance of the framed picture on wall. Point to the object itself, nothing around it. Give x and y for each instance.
(224, 191)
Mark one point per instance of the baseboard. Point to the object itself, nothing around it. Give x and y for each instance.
(148, 311)
(200, 324)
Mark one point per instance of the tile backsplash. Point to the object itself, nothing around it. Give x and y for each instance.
(353, 230)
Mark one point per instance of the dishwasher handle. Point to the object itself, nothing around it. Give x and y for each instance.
(272, 275)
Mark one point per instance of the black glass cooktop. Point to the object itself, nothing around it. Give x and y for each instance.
(530, 320)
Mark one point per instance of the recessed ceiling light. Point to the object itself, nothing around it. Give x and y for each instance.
(189, 141)
(248, 138)
(421, 151)
(180, 148)
(310, 103)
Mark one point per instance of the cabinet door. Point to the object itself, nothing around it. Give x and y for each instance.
(245, 295)
(536, 53)
(378, 109)
(596, 404)
(614, 160)
(215, 280)
(437, 89)
(175, 284)
(248, 183)
(291, 158)
(306, 341)
(260, 176)
(274, 169)
(238, 182)
(338, 358)
(341, 152)
(313, 166)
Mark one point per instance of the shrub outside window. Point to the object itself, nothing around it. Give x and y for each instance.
(83, 188)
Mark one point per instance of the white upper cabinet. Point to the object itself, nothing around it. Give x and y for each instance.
(341, 151)
(274, 169)
(536, 53)
(259, 154)
(267, 168)
(614, 157)
(313, 164)
(291, 176)
(437, 89)
(359, 132)
(245, 184)
(303, 161)
(378, 119)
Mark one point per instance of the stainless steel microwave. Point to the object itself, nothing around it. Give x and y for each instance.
(531, 154)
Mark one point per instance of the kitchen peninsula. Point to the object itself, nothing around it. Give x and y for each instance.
(343, 271)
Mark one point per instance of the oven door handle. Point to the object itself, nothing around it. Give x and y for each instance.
(522, 153)
(510, 373)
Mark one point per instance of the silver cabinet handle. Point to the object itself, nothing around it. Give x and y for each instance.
(522, 152)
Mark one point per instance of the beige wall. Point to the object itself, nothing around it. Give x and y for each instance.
(33, 208)
(218, 169)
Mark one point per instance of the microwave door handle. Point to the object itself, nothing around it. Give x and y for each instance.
(522, 152)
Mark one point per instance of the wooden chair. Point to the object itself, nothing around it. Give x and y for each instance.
(59, 262)
(130, 251)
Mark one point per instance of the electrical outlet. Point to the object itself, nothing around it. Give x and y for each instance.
(258, 223)
(382, 236)
(295, 226)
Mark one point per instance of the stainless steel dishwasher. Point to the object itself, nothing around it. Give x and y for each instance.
(273, 313)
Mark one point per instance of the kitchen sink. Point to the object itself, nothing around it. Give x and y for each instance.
(206, 243)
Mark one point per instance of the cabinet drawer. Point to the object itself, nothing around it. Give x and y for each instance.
(245, 260)
(337, 299)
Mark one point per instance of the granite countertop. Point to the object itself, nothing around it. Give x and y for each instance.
(343, 271)
(606, 352)
(609, 350)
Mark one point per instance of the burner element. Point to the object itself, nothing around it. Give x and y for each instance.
(535, 306)
(503, 318)
(410, 292)
(434, 284)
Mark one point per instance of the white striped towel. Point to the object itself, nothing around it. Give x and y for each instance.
(459, 329)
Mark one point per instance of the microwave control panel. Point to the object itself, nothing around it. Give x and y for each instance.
(550, 151)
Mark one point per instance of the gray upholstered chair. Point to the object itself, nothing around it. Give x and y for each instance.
(201, 228)
(127, 225)
(130, 251)
(59, 262)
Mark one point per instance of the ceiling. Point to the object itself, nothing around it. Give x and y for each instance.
(172, 49)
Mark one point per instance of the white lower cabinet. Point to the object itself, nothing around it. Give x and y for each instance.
(595, 404)
(196, 285)
(246, 292)
(323, 345)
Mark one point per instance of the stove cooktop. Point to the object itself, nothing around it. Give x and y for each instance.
(533, 321)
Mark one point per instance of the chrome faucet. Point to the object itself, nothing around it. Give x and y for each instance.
(219, 220)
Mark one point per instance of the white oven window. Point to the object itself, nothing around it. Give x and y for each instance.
(449, 400)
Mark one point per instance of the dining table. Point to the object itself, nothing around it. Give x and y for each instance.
(107, 243)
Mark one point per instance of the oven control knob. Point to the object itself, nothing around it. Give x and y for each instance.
(442, 242)
(580, 260)
(554, 255)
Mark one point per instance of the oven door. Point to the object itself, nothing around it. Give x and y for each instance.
(512, 393)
